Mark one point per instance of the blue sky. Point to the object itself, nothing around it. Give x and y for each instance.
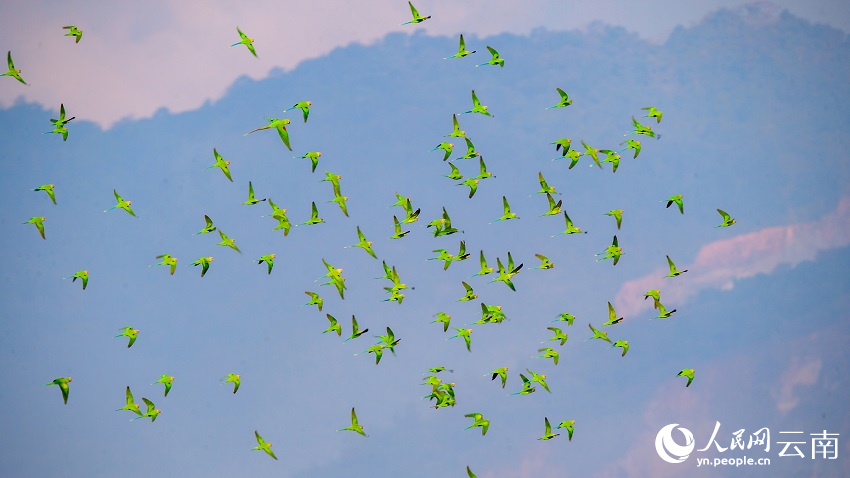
(761, 314)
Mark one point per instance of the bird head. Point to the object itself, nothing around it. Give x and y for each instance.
(70, 379)
(451, 145)
(136, 405)
(238, 376)
(129, 203)
(43, 218)
(273, 256)
(51, 185)
(485, 108)
(309, 103)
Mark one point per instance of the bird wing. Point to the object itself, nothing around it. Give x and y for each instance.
(475, 101)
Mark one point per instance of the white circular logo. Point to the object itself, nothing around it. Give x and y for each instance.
(666, 446)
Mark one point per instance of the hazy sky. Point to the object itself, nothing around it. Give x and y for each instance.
(755, 122)
(138, 57)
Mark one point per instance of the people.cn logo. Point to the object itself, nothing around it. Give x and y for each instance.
(666, 446)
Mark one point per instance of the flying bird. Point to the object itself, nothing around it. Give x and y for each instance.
(727, 220)
(653, 112)
(39, 224)
(316, 300)
(165, 380)
(221, 164)
(82, 275)
(48, 188)
(151, 413)
(355, 425)
(122, 204)
(63, 385)
(304, 106)
(13, 72)
(268, 259)
(248, 42)
(280, 126)
(565, 100)
(569, 425)
(314, 156)
(167, 260)
(73, 31)
(130, 333)
(131, 404)
(233, 378)
(263, 445)
(417, 18)
(612, 316)
(687, 372)
(251, 198)
(548, 435)
(477, 107)
(617, 214)
(678, 200)
(494, 60)
(673, 270)
(227, 241)
(461, 50)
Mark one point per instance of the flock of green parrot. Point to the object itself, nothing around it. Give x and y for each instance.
(442, 393)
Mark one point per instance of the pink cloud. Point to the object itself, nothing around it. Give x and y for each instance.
(800, 372)
(718, 264)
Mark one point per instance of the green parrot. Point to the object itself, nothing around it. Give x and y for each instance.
(544, 186)
(461, 50)
(617, 214)
(268, 259)
(14, 73)
(355, 330)
(332, 178)
(678, 200)
(59, 130)
(122, 204)
(263, 445)
(447, 147)
(315, 299)
(479, 421)
(439, 369)
(73, 31)
(61, 121)
(573, 156)
(494, 60)
(340, 199)
(598, 334)
(687, 372)
(378, 350)
(549, 352)
(466, 335)
(548, 435)
(304, 106)
(470, 294)
(502, 373)
(397, 228)
(663, 313)
(151, 413)
(484, 268)
(280, 126)
(506, 208)
(411, 215)
(227, 242)
(563, 145)
(251, 199)
(554, 208)
(456, 131)
(473, 186)
(204, 262)
(632, 144)
(612, 316)
(209, 227)
(611, 157)
(82, 275)
(248, 42)
(313, 156)
(334, 327)
(571, 229)
(642, 129)
(673, 271)
(131, 403)
(559, 335)
(565, 100)
(592, 152)
(355, 425)
(48, 188)
(566, 317)
(221, 164)
(442, 318)
(165, 380)
(477, 107)
(569, 425)
(470, 151)
(505, 274)
(282, 218)
(233, 378)
(167, 260)
(63, 385)
(539, 378)
(545, 263)
(653, 113)
(624, 344)
(130, 333)
(527, 388)
(482, 170)
(654, 293)
(614, 251)
(417, 18)
(455, 174)
(727, 220)
(363, 243)
(314, 217)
